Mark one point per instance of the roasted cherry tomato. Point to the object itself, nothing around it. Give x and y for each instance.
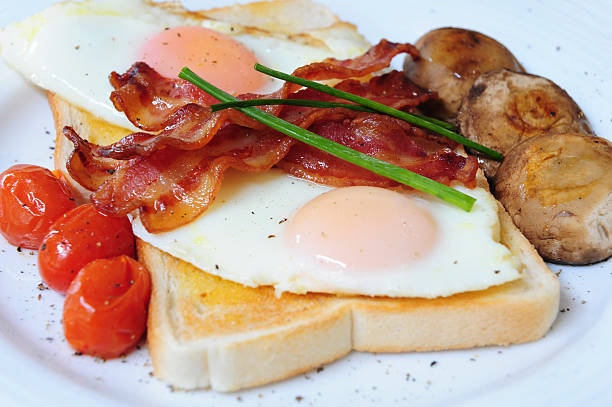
(105, 312)
(31, 199)
(78, 237)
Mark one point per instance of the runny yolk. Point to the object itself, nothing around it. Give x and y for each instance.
(219, 59)
(361, 228)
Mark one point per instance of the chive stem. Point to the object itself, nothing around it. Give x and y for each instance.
(314, 103)
(375, 165)
(379, 107)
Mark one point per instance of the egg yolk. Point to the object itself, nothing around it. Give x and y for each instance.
(221, 60)
(359, 228)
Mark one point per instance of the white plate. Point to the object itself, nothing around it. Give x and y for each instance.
(568, 42)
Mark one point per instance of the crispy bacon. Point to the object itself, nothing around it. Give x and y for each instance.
(376, 58)
(84, 167)
(152, 102)
(155, 103)
(383, 137)
(141, 86)
(392, 89)
(172, 187)
(173, 176)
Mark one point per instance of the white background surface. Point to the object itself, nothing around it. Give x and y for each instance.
(568, 42)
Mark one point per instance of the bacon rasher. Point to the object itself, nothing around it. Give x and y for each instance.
(172, 176)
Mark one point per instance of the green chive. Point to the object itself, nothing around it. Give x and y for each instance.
(379, 107)
(314, 103)
(291, 102)
(375, 165)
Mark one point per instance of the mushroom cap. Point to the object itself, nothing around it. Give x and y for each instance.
(451, 59)
(504, 108)
(558, 190)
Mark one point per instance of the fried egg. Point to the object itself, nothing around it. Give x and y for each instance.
(72, 47)
(298, 236)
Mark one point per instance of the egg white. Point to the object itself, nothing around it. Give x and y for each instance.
(241, 238)
(72, 47)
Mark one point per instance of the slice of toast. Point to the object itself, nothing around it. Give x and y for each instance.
(205, 331)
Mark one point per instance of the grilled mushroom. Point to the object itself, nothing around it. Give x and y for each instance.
(558, 190)
(451, 59)
(504, 108)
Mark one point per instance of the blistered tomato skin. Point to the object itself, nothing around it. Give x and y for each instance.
(105, 311)
(31, 199)
(78, 237)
